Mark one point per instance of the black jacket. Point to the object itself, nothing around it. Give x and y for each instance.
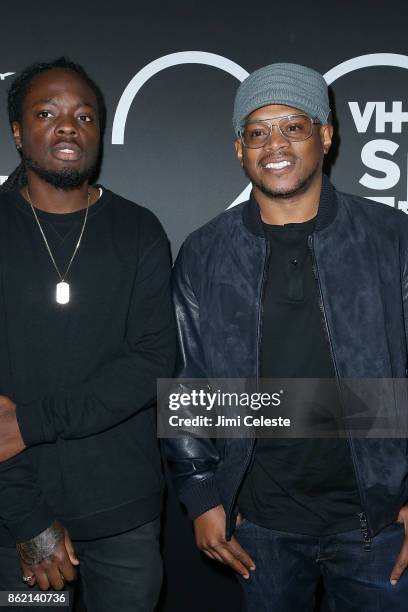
(360, 253)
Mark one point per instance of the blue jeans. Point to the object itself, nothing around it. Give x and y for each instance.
(289, 567)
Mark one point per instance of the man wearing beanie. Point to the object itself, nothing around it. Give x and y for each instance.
(301, 281)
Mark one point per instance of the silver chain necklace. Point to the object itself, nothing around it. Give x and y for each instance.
(62, 288)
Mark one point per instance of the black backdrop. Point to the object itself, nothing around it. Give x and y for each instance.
(177, 156)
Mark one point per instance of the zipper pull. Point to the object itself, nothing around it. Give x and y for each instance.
(364, 531)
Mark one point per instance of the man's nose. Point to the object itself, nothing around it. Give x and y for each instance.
(66, 125)
(276, 140)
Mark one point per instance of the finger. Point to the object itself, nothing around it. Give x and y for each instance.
(213, 554)
(241, 554)
(403, 514)
(67, 569)
(229, 559)
(239, 519)
(29, 579)
(70, 549)
(27, 570)
(55, 578)
(42, 579)
(401, 563)
(208, 554)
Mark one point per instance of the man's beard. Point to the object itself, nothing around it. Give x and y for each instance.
(66, 178)
(300, 187)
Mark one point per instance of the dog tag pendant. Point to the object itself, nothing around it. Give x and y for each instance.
(62, 295)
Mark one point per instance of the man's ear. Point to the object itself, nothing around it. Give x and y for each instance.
(16, 128)
(326, 136)
(238, 150)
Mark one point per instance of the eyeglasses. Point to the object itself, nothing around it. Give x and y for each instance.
(295, 128)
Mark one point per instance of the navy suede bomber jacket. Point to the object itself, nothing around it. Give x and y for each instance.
(360, 253)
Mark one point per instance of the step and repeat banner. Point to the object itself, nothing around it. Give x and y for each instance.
(169, 71)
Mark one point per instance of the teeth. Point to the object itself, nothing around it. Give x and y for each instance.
(278, 165)
(66, 150)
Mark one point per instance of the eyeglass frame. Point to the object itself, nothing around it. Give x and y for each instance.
(272, 125)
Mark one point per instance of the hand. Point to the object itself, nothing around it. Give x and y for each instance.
(11, 442)
(49, 558)
(402, 560)
(209, 529)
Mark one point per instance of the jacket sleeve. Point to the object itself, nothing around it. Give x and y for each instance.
(404, 273)
(23, 509)
(126, 384)
(192, 461)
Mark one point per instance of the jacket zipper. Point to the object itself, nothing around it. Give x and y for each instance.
(364, 525)
(258, 342)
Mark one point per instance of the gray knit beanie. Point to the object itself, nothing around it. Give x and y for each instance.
(288, 84)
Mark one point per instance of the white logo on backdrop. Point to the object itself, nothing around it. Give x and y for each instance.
(361, 116)
(395, 118)
(3, 77)
(167, 61)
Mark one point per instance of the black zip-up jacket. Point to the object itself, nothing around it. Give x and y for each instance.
(360, 255)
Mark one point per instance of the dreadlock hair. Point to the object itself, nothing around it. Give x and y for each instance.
(17, 94)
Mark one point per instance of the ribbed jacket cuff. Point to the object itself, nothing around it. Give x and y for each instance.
(200, 497)
(34, 523)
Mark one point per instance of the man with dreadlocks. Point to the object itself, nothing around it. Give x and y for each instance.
(86, 329)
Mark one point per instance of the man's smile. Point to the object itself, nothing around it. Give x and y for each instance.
(277, 164)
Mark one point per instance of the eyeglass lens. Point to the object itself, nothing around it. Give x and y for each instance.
(295, 128)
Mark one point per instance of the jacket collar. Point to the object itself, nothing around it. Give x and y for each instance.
(326, 212)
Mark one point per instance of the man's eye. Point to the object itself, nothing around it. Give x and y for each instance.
(45, 114)
(85, 118)
(257, 133)
(295, 127)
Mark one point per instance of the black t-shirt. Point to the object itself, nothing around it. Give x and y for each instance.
(299, 485)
